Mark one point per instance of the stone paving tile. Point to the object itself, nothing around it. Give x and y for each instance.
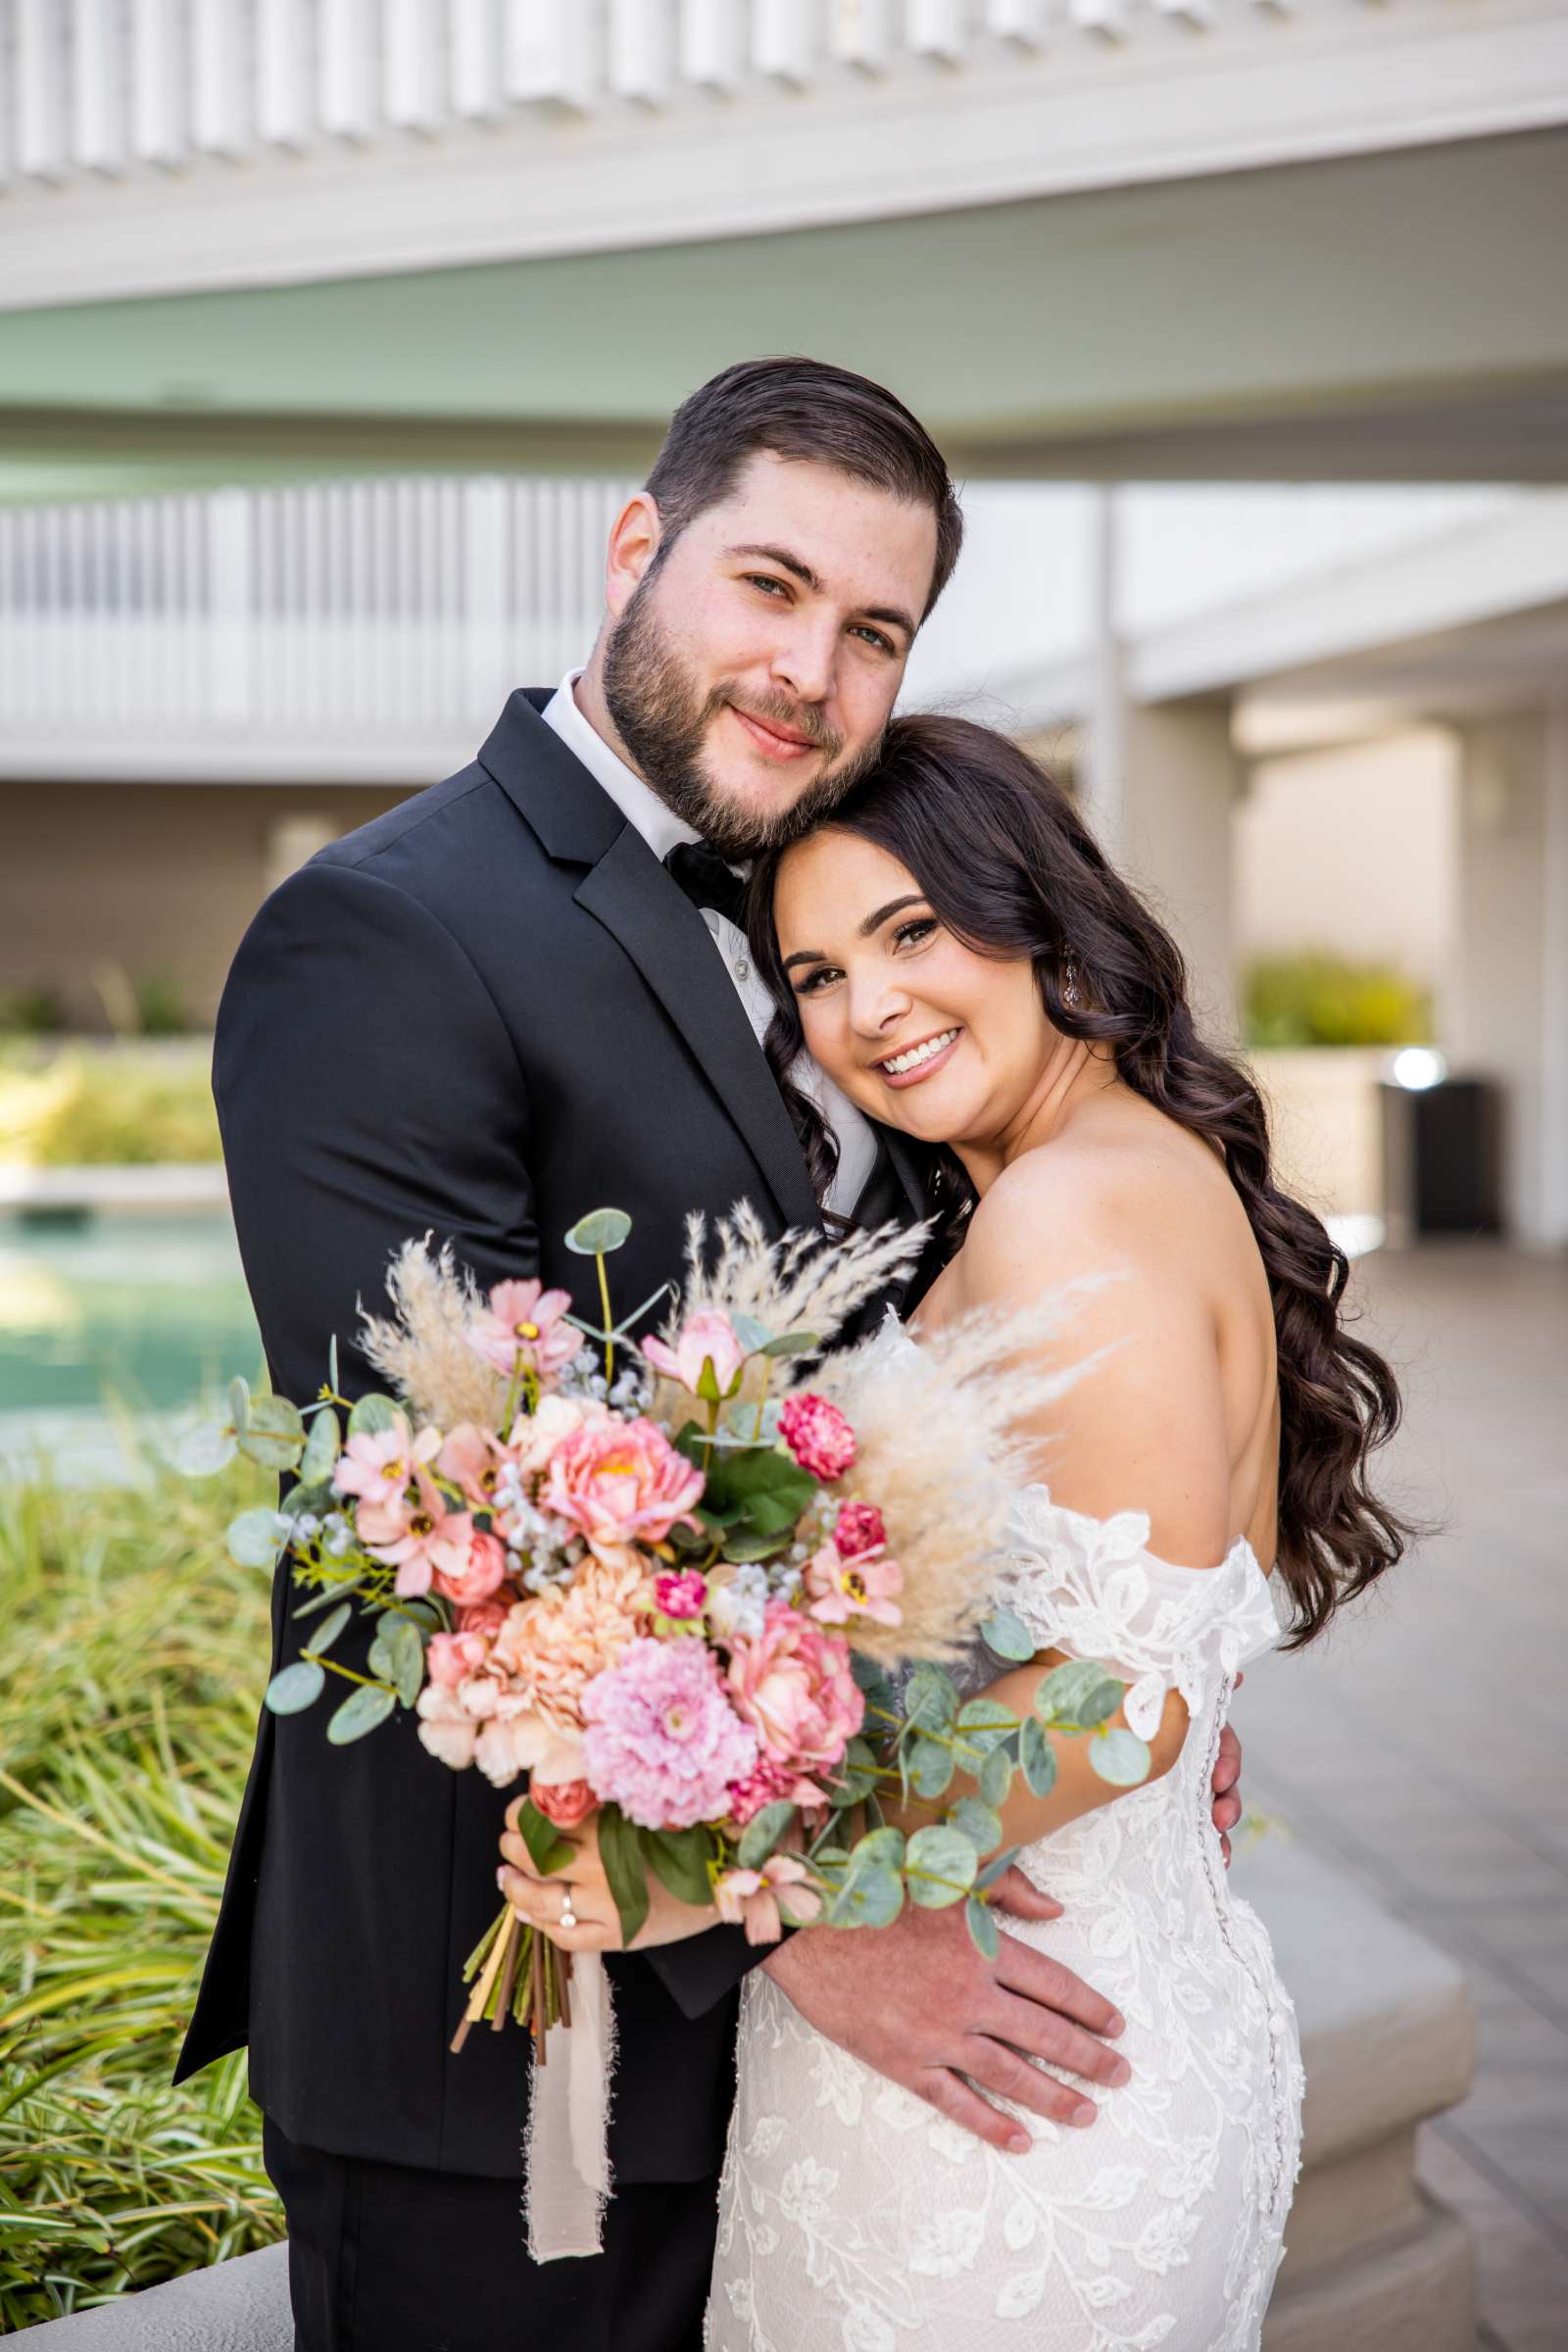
(1421, 1748)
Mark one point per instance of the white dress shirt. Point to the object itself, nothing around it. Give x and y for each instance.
(662, 829)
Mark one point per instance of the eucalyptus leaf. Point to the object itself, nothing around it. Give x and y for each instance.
(1080, 1692)
(980, 1921)
(328, 1632)
(763, 1832)
(870, 1896)
(321, 1448)
(931, 1697)
(792, 1342)
(879, 1846)
(679, 1859)
(331, 1365)
(318, 1600)
(296, 1687)
(997, 1867)
(1009, 1635)
(948, 1854)
(929, 1765)
(620, 1849)
(978, 1823)
(203, 1452)
(1038, 1757)
(740, 1548)
(751, 1334)
(1120, 1757)
(239, 1404)
(597, 1235)
(360, 1713)
(373, 1414)
(313, 1501)
(406, 1656)
(274, 1435)
(995, 1777)
(256, 1537)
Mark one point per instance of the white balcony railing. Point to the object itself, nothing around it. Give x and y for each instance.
(389, 133)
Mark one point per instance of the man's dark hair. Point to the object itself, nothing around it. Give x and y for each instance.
(801, 408)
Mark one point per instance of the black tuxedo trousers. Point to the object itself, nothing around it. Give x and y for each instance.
(478, 1017)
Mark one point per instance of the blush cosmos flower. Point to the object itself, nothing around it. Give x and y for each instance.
(794, 1685)
(863, 1586)
(521, 1326)
(817, 1435)
(663, 1740)
(380, 1465)
(472, 1459)
(416, 1536)
(706, 1338)
(620, 1483)
(750, 1898)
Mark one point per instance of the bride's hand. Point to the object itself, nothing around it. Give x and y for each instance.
(582, 1887)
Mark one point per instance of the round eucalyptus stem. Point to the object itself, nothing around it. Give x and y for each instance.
(604, 1302)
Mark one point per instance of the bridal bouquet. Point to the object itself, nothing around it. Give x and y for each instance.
(672, 1583)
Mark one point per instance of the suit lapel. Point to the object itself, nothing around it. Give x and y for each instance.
(629, 892)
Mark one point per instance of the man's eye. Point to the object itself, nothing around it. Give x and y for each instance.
(884, 645)
(762, 579)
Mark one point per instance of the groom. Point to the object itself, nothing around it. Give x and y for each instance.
(516, 997)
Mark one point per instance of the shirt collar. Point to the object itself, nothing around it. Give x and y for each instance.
(636, 800)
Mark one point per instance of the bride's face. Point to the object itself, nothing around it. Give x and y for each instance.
(916, 1028)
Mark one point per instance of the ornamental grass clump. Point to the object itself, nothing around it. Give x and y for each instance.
(131, 1657)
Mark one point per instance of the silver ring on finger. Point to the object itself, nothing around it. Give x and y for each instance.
(568, 1917)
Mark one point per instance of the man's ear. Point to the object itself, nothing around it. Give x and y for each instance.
(634, 539)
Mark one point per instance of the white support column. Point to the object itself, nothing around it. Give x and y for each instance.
(1508, 1007)
(486, 509)
(1105, 747)
(1180, 788)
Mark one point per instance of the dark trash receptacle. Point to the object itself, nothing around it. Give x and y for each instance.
(1440, 1157)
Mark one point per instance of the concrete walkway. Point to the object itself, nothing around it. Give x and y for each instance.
(1421, 1747)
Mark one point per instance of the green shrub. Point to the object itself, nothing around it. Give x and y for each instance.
(1318, 999)
(37, 1011)
(133, 1654)
(102, 1110)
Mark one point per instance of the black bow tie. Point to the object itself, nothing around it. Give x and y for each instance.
(701, 872)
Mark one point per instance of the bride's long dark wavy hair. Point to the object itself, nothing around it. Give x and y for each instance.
(1010, 868)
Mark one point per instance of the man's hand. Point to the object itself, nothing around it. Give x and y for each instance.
(1228, 1787)
(922, 2005)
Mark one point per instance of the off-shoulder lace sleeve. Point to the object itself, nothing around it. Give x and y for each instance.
(1094, 1589)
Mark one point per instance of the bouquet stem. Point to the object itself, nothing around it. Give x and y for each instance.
(515, 1973)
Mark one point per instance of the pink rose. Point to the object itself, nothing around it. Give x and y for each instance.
(793, 1682)
(752, 1897)
(858, 1527)
(861, 1586)
(817, 1435)
(682, 1594)
(486, 1617)
(523, 1327)
(479, 1575)
(564, 1802)
(705, 1339)
(620, 1483)
(451, 1658)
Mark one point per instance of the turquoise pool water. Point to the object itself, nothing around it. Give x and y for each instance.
(150, 1313)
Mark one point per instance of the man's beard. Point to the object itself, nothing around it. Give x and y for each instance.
(662, 721)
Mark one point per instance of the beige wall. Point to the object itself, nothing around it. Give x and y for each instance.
(150, 878)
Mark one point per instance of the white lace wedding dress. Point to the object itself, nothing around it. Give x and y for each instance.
(853, 2218)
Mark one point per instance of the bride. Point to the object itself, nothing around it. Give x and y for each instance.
(955, 952)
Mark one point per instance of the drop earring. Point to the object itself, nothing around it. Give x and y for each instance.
(1070, 984)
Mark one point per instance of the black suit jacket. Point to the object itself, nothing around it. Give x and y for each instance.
(482, 1016)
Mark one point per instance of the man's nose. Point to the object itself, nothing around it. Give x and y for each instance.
(804, 664)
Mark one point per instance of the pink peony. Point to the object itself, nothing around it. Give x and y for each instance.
(523, 1327)
(478, 1576)
(817, 1435)
(752, 1897)
(553, 1645)
(663, 1740)
(564, 1802)
(706, 1338)
(858, 1527)
(682, 1594)
(793, 1681)
(380, 1466)
(861, 1586)
(620, 1483)
(472, 1458)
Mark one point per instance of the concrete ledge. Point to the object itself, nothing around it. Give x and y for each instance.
(1414, 2295)
(239, 2306)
